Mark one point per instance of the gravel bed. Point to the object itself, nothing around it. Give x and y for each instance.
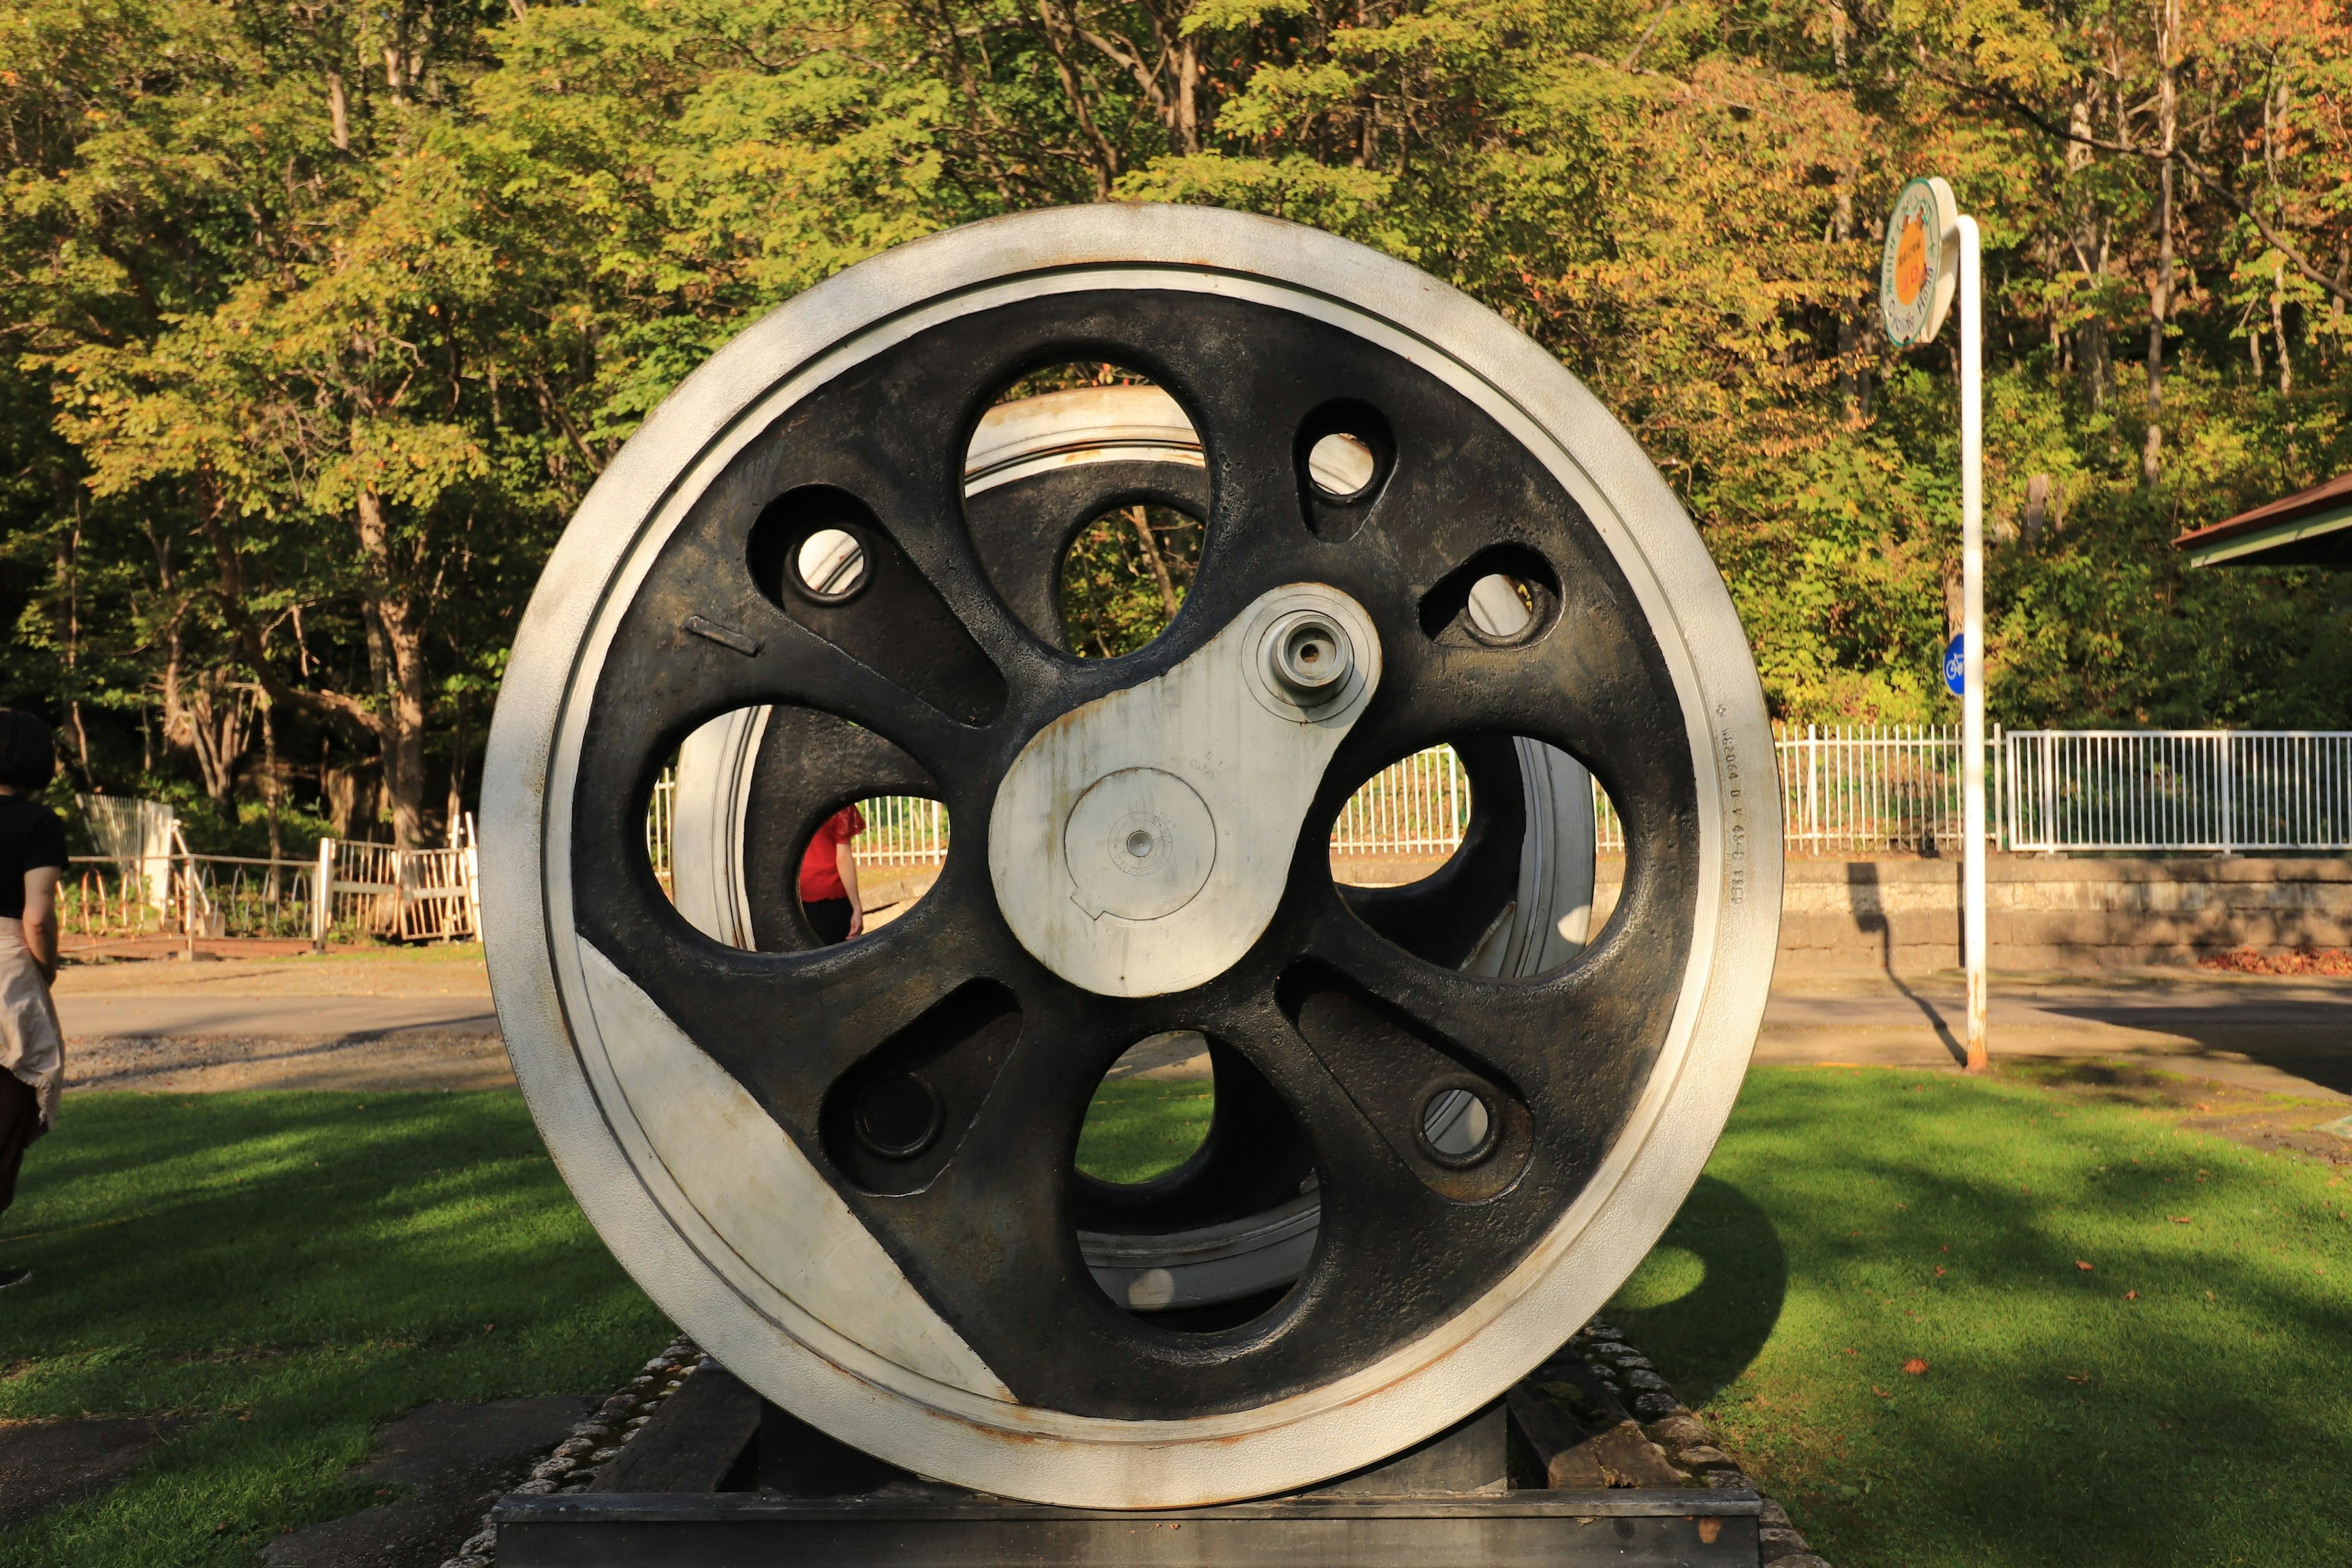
(1685, 1440)
(571, 1465)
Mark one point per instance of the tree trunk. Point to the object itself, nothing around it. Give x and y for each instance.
(395, 623)
(1188, 95)
(269, 793)
(1854, 379)
(2090, 239)
(2159, 293)
(1158, 562)
(1104, 157)
(339, 112)
(69, 571)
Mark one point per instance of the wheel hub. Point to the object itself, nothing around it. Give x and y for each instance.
(1140, 844)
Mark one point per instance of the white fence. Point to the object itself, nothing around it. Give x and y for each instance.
(2209, 790)
(415, 895)
(1863, 790)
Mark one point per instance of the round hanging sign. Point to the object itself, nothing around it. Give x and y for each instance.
(1921, 266)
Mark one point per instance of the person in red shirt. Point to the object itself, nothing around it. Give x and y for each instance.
(829, 880)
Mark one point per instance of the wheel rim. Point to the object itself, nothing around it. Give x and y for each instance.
(969, 1342)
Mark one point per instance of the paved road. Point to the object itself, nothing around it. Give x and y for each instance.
(209, 1015)
(2283, 1035)
(2292, 1035)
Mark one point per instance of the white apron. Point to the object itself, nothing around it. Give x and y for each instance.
(32, 1046)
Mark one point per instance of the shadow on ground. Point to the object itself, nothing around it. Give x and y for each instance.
(1707, 1299)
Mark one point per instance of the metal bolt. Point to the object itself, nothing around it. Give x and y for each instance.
(1310, 656)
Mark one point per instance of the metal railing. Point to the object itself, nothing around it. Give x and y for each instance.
(901, 830)
(2215, 791)
(1865, 790)
(1847, 789)
(1418, 806)
(661, 818)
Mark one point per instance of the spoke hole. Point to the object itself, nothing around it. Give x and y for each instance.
(1152, 1112)
(745, 826)
(1196, 1197)
(814, 544)
(1501, 855)
(1501, 606)
(1341, 465)
(1458, 1127)
(831, 564)
(1507, 596)
(1124, 577)
(1345, 454)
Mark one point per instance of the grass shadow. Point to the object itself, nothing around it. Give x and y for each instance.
(1706, 1301)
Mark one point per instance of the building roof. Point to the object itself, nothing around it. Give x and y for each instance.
(2313, 528)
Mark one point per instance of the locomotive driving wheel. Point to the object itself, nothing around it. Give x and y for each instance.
(850, 1170)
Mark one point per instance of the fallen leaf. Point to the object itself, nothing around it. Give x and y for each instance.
(2078, 1377)
(1940, 1271)
(2131, 1295)
(1944, 1249)
(1880, 1392)
(2178, 1218)
(2083, 1266)
(1914, 1366)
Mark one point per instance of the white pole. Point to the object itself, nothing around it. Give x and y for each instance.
(323, 896)
(1972, 677)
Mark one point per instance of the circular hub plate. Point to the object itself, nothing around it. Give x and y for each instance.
(847, 1172)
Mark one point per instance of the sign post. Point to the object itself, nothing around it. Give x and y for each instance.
(1932, 253)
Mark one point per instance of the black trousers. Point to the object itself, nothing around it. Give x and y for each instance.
(829, 918)
(20, 1123)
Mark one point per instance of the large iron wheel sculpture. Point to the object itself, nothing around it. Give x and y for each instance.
(848, 1172)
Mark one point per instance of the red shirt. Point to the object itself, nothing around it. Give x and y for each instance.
(821, 867)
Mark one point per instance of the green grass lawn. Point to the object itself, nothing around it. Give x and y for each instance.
(2185, 1399)
(288, 1269)
(1138, 1127)
(291, 1269)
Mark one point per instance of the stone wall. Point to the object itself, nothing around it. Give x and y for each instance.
(2052, 913)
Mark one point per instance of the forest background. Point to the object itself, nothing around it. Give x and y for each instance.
(318, 320)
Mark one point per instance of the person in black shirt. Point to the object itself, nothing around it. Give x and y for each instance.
(32, 859)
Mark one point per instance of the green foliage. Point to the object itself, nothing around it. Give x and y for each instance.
(287, 1272)
(320, 320)
(1111, 598)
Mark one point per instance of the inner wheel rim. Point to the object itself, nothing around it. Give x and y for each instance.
(1330, 1011)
